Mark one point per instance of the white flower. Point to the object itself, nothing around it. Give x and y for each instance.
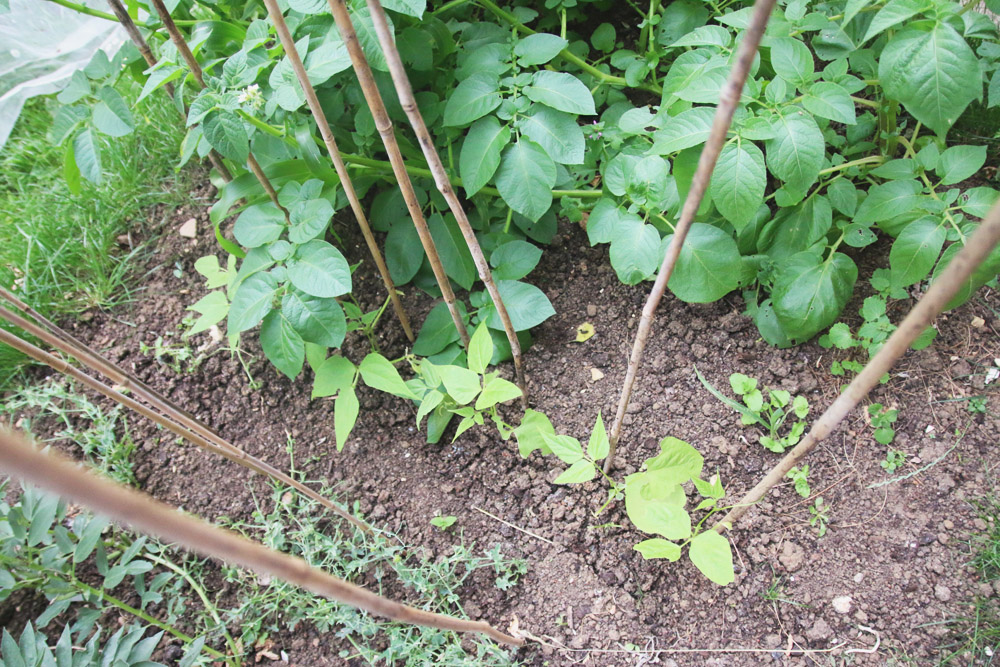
(251, 95)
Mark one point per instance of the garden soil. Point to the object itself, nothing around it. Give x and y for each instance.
(887, 581)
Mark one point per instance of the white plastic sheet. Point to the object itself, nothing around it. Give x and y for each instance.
(41, 45)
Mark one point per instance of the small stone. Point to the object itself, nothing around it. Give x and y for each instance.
(978, 322)
(772, 641)
(842, 604)
(596, 375)
(948, 525)
(942, 593)
(591, 310)
(861, 616)
(859, 577)
(942, 538)
(189, 229)
(980, 524)
(820, 631)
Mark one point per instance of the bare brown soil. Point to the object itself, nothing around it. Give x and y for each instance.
(895, 558)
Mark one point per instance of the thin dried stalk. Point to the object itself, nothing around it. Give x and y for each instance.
(384, 126)
(729, 98)
(941, 291)
(178, 39)
(137, 510)
(147, 55)
(65, 342)
(338, 162)
(226, 449)
(409, 103)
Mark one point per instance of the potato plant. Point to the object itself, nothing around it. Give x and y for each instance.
(843, 134)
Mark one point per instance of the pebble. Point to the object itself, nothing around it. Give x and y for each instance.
(596, 375)
(859, 577)
(591, 310)
(942, 593)
(948, 525)
(842, 604)
(189, 229)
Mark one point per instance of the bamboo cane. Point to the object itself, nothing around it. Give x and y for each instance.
(147, 55)
(409, 103)
(192, 64)
(338, 162)
(384, 126)
(729, 98)
(227, 450)
(60, 475)
(67, 343)
(980, 244)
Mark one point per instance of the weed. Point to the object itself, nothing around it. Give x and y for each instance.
(977, 405)
(60, 250)
(882, 419)
(103, 436)
(800, 477)
(443, 522)
(294, 524)
(819, 516)
(894, 460)
(772, 413)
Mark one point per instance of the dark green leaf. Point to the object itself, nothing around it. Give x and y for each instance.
(526, 304)
(557, 132)
(915, 251)
(252, 301)
(226, 134)
(795, 154)
(472, 99)
(282, 345)
(320, 269)
(480, 154)
(258, 225)
(561, 91)
(514, 260)
(526, 177)
(738, 182)
(319, 321)
(809, 293)
(705, 268)
(539, 48)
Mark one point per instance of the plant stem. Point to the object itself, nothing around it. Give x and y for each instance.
(383, 124)
(64, 477)
(728, 101)
(565, 54)
(84, 9)
(408, 101)
(338, 163)
(211, 608)
(871, 159)
(934, 301)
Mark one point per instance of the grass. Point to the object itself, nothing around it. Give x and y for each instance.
(977, 635)
(58, 249)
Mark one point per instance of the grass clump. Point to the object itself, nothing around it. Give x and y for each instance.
(59, 250)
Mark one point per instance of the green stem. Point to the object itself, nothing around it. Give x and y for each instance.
(871, 159)
(908, 146)
(83, 9)
(862, 101)
(211, 608)
(566, 54)
(449, 5)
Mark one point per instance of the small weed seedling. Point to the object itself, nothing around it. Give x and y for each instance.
(655, 499)
(443, 522)
(882, 419)
(819, 516)
(894, 460)
(977, 405)
(800, 477)
(772, 413)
